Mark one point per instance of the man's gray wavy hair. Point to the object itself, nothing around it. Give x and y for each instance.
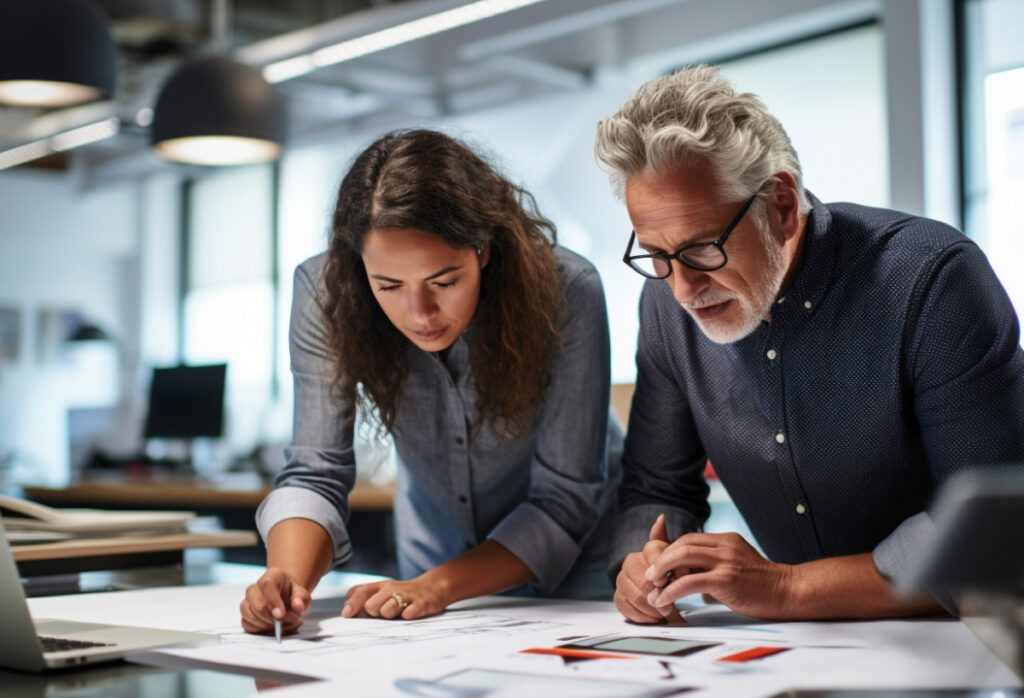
(691, 114)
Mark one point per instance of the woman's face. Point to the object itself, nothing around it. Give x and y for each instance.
(428, 289)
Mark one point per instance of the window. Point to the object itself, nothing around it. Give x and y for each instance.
(993, 108)
(229, 293)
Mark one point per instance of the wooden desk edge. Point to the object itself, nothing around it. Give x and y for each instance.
(364, 497)
(94, 547)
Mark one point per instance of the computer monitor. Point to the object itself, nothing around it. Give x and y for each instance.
(186, 402)
(978, 544)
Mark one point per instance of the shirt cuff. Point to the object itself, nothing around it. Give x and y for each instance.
(542, 545)
(632, 530)
(896, 556)
(287, 503)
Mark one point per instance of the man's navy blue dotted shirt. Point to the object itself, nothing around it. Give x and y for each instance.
(891, 362)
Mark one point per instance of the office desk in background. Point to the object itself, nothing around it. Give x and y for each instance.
(233, 500)
(123, 552)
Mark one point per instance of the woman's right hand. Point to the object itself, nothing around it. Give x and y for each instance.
(274, 595)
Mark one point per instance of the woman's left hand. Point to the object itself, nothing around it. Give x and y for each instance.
(416, 598)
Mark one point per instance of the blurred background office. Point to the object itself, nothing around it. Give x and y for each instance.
(115, 260)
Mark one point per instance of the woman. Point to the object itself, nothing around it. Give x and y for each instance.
(442, 309)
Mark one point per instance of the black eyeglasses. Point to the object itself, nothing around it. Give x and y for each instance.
(703, 256)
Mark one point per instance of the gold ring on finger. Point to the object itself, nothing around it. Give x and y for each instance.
(398, 600)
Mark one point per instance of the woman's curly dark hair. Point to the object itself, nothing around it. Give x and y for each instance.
(429, 181)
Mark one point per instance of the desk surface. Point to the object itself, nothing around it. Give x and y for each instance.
(489, 636)
(188, 493)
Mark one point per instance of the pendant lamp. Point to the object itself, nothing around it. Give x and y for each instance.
(55, 53)
(217, 111)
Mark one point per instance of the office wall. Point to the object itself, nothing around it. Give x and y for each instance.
(60, 250)
(66, 251)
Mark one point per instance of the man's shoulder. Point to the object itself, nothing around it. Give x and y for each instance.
(896, 230)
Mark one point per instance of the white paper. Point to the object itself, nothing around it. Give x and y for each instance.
(480, 643)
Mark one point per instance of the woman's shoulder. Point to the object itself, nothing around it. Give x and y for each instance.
(580, 280)
(572, 265)
(313, 267)
(309, 279)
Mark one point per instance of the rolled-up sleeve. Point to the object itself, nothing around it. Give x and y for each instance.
(569, 475)
(968, 371)
(320, 466)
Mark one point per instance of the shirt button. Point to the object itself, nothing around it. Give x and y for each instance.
(780, 437)
(807, 304)
(459, 440)
(462, 499)
(800, 508)
(772, 354)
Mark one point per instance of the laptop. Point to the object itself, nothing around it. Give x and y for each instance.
(39, 645)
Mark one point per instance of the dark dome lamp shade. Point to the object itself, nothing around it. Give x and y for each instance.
(55, 53)
(217, 111)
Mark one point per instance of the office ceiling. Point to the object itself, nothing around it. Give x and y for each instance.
(549, 46)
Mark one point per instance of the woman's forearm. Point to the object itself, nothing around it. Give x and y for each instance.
(487, 569)
(302, 549)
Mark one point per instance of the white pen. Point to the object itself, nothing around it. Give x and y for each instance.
(277, 630)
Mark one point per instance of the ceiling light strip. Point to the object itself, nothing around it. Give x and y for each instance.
(392, 36)
(67, 140)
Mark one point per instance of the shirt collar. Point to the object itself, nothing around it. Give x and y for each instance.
(812, 279)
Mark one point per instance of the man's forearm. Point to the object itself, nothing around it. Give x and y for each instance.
(849, 587)
(302, 549)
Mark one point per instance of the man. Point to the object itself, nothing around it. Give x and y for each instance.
(834, 362)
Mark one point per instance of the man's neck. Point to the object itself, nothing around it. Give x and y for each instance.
(794, 250)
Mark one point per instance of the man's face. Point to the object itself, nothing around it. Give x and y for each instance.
(682, 206)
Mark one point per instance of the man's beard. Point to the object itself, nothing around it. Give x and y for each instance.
(753, 308)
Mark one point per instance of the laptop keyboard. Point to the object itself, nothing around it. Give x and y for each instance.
(60, 644)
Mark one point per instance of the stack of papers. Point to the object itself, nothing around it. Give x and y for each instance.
(22, 517)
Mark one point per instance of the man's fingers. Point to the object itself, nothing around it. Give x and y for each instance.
(679, 560)
(631, 612)
(659, 531)
(633, 598)
(674, 616)
(684, 586)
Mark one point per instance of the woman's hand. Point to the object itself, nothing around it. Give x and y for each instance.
(274, 595)
(488, 568)
(416, 598)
